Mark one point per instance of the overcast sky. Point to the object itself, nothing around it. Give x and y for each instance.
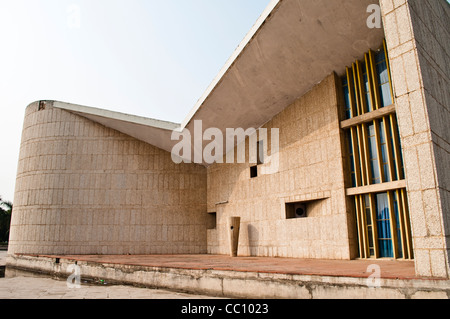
(151, 58)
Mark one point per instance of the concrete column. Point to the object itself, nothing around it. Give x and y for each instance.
(417, 39)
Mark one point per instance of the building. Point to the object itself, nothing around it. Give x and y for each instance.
(363, 116)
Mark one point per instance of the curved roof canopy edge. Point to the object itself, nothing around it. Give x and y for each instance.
(293, 46)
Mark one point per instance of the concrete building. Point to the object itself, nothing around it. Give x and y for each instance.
(364, 150)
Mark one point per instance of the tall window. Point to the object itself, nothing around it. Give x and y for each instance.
(375, 174)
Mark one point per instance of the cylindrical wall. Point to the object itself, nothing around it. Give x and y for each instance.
(83, 188)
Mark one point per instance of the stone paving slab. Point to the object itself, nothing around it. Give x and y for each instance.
(46, 288)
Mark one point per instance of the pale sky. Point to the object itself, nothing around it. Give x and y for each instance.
(153, 58)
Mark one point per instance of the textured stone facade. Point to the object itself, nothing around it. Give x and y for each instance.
(83, 188)
(311, 169)
(418, 40)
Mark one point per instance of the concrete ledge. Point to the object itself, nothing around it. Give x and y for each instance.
(236, 284)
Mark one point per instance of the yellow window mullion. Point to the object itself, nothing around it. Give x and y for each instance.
(364, 233)
(388, 69)
(360, 84)
(407, 224)
(393, 224)
(360, 129)
(396, 139)
(379, 154)
(376, 99)
(356, 158)
(365, 146)
(365, 225)
(401, 222)
(360, 227)
(374, 225)
(357, 90)
(389, 149)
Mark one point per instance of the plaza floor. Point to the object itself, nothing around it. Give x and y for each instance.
(390, 269)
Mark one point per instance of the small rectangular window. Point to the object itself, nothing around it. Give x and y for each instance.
(211, 222)
(296, 210)
(253, 171)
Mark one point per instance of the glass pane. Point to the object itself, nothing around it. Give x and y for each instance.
(373, 155)
(384, 226)
(394, 161)
(385, 93)
(383, 79)
(348, 113)
(352, 159)
(371, 246)
(366, 88)
(367, 208)
(383, 75)
(384, 152)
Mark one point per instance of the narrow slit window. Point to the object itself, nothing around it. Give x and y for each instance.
(253, 171)
(376, 178)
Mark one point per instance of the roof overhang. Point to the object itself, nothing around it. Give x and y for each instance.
(293, 46)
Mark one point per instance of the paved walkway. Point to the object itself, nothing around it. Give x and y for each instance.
(45, 288)
(390, 269)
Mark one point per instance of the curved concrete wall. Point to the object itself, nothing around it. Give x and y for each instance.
(83, 188)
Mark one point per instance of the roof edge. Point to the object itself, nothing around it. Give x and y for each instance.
(169, 126)
(237, 52)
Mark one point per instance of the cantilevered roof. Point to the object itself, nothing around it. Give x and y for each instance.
(293, 46)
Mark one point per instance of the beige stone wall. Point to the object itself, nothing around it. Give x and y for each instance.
(83, 188)
(311, 168)
(418, 39)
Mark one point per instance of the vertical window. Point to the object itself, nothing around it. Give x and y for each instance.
(394, 159)
(384, 226)
(373, 155)
(398, 227)
(383, 78)
(352, 160)
(348, 109)
(384, 153)
(366, 88)
(374, 152)
(370, 234)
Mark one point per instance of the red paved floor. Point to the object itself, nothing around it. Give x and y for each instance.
(343, 268)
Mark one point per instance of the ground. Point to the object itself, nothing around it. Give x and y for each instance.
(46, 288)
